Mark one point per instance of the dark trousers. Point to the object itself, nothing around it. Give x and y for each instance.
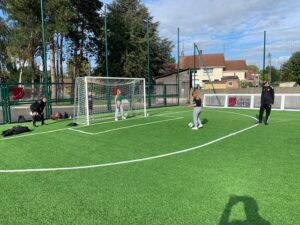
(264, 107)
(38, 116)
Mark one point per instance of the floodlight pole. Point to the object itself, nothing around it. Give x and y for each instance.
(264, 56)
(148, 64)
(178, 65)
(45, 62)
(200, 62)
(194, 71)
(270, 68)
(106, 41)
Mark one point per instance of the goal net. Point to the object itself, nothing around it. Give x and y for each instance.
(95, 98)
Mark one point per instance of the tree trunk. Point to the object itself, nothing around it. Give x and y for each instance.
(21, 70)
(61, 70)
(32, 57)
(57, 77)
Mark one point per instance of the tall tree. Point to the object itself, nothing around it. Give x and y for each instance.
(24, 16)
(3, 45)
(253, 68)
(275, 74)
(127, 24)
(294, 67)
(85, 33)
(284, 72)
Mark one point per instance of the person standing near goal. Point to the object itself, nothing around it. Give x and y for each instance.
(267, 100)
(119, 105)
(197, 103)
(37, 111)
(90, 102)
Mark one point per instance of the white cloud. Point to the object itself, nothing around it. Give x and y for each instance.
(234, 26)
(231, 26)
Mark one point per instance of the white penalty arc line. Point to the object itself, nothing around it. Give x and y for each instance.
(134, 160)
(130, 161)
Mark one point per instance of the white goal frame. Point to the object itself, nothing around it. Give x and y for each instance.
(86, 92)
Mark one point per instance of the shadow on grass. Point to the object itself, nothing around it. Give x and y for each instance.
(251, 212)
(204, 121)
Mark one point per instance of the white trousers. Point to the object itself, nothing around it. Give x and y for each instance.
(196, 116)
(119, 109)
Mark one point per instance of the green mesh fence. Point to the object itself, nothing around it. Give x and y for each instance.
(15, 99)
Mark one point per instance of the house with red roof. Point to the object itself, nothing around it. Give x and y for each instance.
(209, 68)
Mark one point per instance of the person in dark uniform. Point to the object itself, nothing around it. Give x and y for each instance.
(267, 100)
(90, 102)
(37, 109)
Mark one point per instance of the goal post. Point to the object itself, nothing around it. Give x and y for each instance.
(94, 98)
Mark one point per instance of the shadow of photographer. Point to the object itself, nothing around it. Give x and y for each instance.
(251, 212)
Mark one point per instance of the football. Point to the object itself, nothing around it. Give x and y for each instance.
(190, 125)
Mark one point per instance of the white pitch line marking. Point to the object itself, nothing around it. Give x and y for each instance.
(127, 127)
(131, 161)
(80, 131)
(136, 125)
(75, 129)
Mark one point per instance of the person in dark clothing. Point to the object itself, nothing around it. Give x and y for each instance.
(37, 109)
(267, 100)
(90, 102)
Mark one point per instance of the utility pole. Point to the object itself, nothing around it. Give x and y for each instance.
(148, 65)
(178, 65)
(106, 41)
(264, 56)
(46, 91)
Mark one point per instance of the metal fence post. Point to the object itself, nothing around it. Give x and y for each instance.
(165, 94)
(2, 102)
(5, 104)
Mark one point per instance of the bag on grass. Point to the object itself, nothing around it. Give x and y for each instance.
(15, 130)
(65, 115)
(52, 116)
(72, 124)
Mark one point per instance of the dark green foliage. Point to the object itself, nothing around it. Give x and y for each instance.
(127, 22)
(275, 74)
(294, 67)
(253, 68)
(284, 72)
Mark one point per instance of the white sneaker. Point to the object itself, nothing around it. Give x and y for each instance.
(123, 117)
(195, 128)
(116, 119)
(200, 126)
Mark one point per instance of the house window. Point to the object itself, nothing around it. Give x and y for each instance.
(230, 83)
(208, 71)
(195, 82)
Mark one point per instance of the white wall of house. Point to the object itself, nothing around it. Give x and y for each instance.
(216, 74)
(213, 73)
(240, 74)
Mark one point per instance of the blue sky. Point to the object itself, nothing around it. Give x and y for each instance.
(234, 28)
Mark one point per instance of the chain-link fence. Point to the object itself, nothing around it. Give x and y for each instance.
(15, 99)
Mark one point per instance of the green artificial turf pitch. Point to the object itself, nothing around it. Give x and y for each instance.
(229, 172)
